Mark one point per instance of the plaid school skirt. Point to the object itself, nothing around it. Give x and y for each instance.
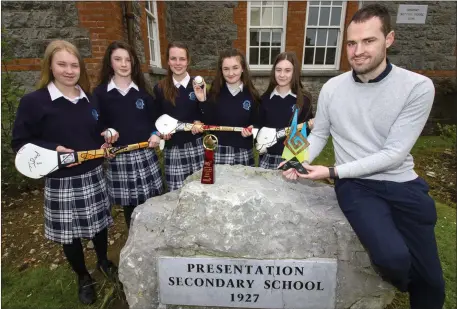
(234, 156)
(76, 206)
(270, 161)
(181, 162)
(133, 177)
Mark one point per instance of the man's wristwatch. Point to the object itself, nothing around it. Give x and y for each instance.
(333, 175)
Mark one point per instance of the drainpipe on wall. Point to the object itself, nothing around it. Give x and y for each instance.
(130, 18)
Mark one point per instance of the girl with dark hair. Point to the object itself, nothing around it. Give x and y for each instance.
(183, 153)
(232, 101)
(134, 176)
(284, 95)
(60, 116)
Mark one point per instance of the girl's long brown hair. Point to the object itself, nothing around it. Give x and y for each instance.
(219, 80)
(295, 84)
(170, 92)
(107, 72)
(46, 75)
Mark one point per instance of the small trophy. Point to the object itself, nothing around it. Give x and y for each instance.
(210, 144)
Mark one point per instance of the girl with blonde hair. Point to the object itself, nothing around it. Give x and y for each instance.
(62, 116)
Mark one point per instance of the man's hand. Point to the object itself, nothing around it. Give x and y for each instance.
(315, 172)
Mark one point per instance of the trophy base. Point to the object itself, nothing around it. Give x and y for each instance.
(208, 168)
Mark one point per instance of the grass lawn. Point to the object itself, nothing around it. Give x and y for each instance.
(41, 287)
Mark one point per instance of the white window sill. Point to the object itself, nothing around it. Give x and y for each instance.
(157, 71)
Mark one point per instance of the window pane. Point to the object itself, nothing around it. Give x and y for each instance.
(274, 53)
(253, 56)
(330, 57)
(276, 39)
(310, 37)
(150, 34)
(332, 37)
(320, 54)
(326, 2)
(268, 3)
(309, 55)
(314, 3)
(255, 3)
(255, 16)
(254, 38)
(312, 16)
(321, 37)
(277, 16)
(324, 17)
(337, 2)
(153, 53)
(267, 16)
(336, 17)
(149, 6)
(265, 38)
(265, 56)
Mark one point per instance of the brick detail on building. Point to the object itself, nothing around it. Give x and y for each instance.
(240, 19)
(295, 28)
(351, 8)
(161, 11)
(104, 20)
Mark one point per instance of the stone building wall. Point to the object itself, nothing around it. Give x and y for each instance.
(207, 29)
(211, 27)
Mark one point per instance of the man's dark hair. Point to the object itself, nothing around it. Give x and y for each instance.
(374, 10)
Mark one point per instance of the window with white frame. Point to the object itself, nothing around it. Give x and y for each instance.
(323, 34)
(266, 32)
(153, 33)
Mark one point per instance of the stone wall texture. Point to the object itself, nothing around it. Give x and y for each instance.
(208, 29)
(32, 25)
(211, 27)
(429, 46)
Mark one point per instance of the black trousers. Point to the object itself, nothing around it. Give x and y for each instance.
(395, 222)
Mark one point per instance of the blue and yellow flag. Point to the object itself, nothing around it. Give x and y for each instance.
(296, 143)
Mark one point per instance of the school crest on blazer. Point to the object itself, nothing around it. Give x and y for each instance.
(192, 96)
(95, 114)
(140, 104)
(247, 105)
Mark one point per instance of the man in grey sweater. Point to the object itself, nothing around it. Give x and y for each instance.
(375, 113)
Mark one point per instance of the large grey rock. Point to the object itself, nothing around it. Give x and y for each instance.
(247, 213)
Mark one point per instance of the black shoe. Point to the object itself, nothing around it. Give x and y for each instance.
(108, 269)
(86, 290)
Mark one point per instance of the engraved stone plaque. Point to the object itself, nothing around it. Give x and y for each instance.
(248, 283)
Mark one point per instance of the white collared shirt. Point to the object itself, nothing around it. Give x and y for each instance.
(275, 92)
(183, 83)
(56, 93)
(235, 90)
(112, 85)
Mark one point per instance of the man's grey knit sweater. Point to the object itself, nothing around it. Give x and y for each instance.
(373, 125)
